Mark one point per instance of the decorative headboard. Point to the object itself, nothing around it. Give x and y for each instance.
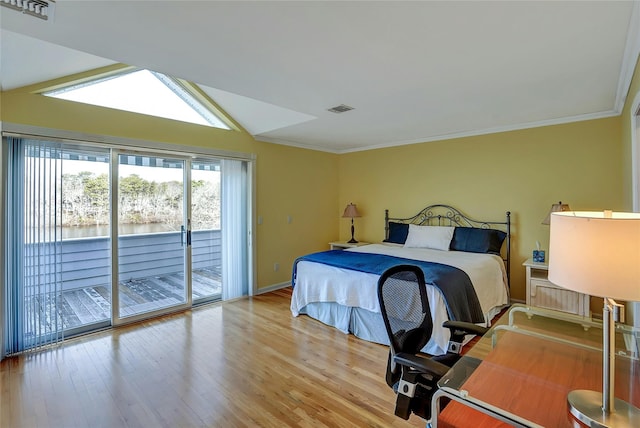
(445, 215)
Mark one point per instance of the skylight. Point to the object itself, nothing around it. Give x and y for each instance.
(142, 91)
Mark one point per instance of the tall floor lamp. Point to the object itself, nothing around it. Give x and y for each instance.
(598, 253)
(351, 211)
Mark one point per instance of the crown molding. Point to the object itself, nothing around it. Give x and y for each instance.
(629, 58)
(443, 137)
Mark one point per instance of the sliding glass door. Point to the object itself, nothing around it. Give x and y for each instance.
(206, 241)
(96, 236)
(152, 235)
(56, 242)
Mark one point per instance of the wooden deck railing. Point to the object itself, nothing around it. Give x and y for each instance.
(86, 262)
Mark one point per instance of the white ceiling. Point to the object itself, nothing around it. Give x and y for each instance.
(413, 71)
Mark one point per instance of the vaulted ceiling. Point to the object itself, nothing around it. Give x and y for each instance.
(412, 71)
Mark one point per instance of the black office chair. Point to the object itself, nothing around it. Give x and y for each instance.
(405, 310)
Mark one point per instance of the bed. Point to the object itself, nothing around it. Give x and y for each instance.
(339, 287)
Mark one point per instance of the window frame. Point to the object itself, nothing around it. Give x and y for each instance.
(142, 146)
(186, 91)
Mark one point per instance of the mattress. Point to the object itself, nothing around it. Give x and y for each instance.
(348, 301)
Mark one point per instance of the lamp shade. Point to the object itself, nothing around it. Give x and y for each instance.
(559, 207)
(596, 253)
(351, 211)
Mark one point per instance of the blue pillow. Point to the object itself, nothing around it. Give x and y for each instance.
(477, 240)
(397, 233)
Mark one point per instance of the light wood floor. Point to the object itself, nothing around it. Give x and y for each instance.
(233, 364)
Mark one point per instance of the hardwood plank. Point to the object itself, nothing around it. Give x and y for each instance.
(242, 363)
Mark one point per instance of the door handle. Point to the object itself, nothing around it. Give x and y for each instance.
(182, 236)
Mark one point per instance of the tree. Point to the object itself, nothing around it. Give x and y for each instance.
(205, 205)
(96, 190)
(86, 201)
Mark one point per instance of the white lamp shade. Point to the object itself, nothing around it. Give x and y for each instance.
(596, 253)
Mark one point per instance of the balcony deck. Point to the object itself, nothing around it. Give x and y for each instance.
(89, 305)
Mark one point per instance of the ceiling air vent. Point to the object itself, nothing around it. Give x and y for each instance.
(42, 9)
(340, 109)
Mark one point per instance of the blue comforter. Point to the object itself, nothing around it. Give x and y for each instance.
(454, 284)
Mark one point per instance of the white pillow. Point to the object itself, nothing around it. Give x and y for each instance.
(435, 237)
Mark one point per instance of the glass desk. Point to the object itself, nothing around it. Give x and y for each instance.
(520, 372)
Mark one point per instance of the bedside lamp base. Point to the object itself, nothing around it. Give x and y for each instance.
(352, 240)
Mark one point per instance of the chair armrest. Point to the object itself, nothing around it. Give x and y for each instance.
(459, 328)
(425, 365)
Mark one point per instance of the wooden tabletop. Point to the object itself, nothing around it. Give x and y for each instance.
(531, 377)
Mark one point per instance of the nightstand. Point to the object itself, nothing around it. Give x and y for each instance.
(341, 245)
(544, 294)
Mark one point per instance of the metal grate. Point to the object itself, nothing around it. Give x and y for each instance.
(340, 109)
(42, 9)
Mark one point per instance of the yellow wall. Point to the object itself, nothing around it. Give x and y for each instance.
(626, 138)
(585, 164)
(520, 171)
(290, 181)
(301, 184)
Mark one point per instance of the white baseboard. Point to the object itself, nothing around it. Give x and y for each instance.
(273, 287)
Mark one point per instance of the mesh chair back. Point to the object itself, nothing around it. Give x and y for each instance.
(405, 308)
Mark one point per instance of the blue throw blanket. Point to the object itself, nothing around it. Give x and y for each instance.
(455, 285)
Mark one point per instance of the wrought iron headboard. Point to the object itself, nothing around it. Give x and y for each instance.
(445, 215)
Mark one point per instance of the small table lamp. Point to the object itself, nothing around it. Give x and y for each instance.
(598, 253)
(350, 212)
(559, 207)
